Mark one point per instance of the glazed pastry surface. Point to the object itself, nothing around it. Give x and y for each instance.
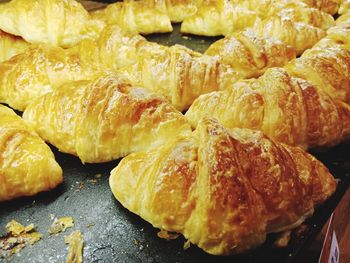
(214, 184)
(288, 109)
(27, 165)
(104, 119)
(61, 23)
(11, 45)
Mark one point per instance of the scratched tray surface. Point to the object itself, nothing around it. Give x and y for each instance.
(113, 234)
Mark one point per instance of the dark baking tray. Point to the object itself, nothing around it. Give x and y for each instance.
(113, 234)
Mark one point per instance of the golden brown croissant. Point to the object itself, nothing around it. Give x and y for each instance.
(328, 68)
(11, 45)
(176, 72)
(289, 109)
(58, 22)
(27, 165)
(344, 7)
(299, 35)
(224, 190)
(329, 6)
(104, 119)
(178, 10)
(251, 55)
(145, 17)
(37, 71)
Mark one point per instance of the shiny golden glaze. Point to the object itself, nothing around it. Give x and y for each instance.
(224, 190)
(288, 109)
(249, 54)
(57, 22)
(145, 17)
(37, 71)
(11, 45)
(27, 165)
(104, 120)
(176, 72)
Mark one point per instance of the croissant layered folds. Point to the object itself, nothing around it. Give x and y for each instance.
(11, 45)
(27, 165)
(177, 73)
(214, 184)
(57, 22)
(104, 119)
(39, 70)
(289, 109)
(178, 10)
(143, 17)
(224, 17)
(251, 55)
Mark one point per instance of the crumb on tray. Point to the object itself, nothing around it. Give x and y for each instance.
(60, 225)
(167, 235)
(75, 243)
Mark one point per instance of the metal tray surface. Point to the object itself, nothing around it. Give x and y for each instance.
(113, 234)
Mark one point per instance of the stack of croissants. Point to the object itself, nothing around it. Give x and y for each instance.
(89, 84)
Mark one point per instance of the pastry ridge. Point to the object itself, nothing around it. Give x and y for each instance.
(204, 186)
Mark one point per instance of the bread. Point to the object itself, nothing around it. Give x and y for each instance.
(249, 54)
(177, 73)
(328, 68)
(104, 119)
(39, 70)
(11, 45)
(288, 109)
(225, 17)
(61, 23)
(145, 17)
(27, 165)
(299, 35)
(224, 190)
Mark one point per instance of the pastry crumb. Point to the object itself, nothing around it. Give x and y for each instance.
(282, 239)
(17, 237)
(60, 225)
(187, 245)
(75, 243)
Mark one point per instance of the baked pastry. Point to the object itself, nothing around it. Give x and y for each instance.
(57, 22)
(178, 10)
(145, 17)
(329, 6)
(299, 35)
(249, 54)
(328, 68)
(219, 17)
(104, 119)
(177, 73)
(27, 165)
(225, 17)
(39, 70)
(224, 190)
(344, 7)
(11, 45)
(288, 109)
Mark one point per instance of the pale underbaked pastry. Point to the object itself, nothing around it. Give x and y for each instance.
(27, 165)
(145, 17)
(288, 109)
(104, 119)
(249, 54)
(224, 190)
(57, 22)
(39, 70)
(11, 45)
(176, 72)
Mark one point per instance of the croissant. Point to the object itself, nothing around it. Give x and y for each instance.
(218, 17)
(178, 10)
(27, 165)
(288, 109)
(104, 119)
(11, 45)
(177, 73)
(145, 17)
(299, 35)
(56, 22)
(251, 55)
(224, 190)
(329, 6)
(38, 71)
(344, 7)
(328, 68)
